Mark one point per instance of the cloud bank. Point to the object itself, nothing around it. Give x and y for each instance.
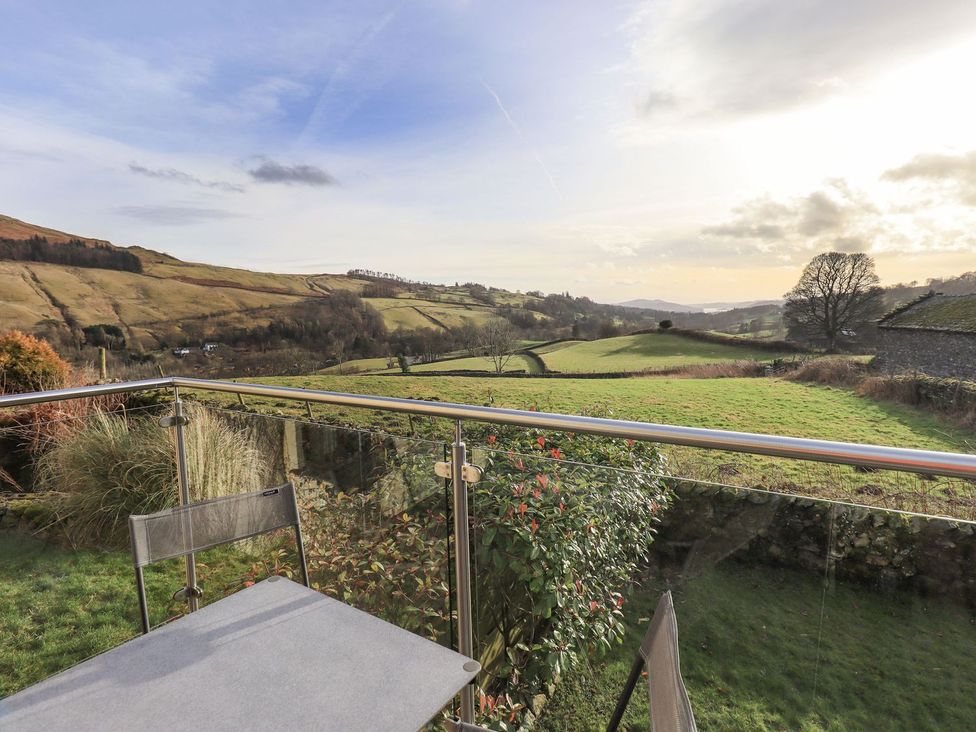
(270, 171)
(179, 176)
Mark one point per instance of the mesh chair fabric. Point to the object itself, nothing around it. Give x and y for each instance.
(670, 707)
(175, 532)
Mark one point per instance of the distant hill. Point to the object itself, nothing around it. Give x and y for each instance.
(11, 228)
(166, 301)
(669, 307)
(702, 307)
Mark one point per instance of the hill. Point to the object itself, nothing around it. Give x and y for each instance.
(11, 228)
(671, 307)
(165, 302)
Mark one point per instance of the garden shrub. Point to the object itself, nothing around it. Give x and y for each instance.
(111, 465)
(559, 528)
(29, 364)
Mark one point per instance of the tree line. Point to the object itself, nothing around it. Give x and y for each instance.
(74, 253)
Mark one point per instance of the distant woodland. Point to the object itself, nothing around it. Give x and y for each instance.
(74, 253)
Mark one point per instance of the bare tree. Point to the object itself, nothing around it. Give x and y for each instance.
(497, 341)
(837, 294)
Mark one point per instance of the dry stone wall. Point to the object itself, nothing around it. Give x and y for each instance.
(937, 353)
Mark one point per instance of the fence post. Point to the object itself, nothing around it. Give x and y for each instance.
(191, 590)
(462, 564)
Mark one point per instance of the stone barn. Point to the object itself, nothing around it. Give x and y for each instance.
(935, 334)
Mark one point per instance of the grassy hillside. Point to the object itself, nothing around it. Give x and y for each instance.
(169, 293)
(647, 352)
(11, 228)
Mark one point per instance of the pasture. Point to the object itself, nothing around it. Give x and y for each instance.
(645, 352)
(759, 405)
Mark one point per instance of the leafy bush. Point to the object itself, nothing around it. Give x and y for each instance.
(392, 565)
(112, 465)
(29, 364)
(559, 527)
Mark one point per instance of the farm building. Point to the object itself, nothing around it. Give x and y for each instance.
(935, 334)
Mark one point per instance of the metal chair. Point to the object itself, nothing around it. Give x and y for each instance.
(670, 708)
(176, 532)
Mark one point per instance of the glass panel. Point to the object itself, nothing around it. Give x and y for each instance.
(374, 520)
(795, 613)
(374, 516)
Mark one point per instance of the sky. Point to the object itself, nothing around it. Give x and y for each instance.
(687, 150)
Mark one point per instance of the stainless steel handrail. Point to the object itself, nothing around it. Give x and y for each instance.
(846, 453)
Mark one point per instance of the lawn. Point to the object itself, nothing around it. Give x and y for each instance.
(646, 352)
(771, 406)
(769, 649)
(60, 606)
(760, 405)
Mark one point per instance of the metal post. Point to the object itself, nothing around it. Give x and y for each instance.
(462, 565)
(191, 590)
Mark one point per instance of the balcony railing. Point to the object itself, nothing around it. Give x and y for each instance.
(796, 605)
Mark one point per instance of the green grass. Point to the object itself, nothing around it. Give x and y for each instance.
(358, 366)
(769, 406)
(59, 606)
(474, 363)
(647, 352)
(749, 654)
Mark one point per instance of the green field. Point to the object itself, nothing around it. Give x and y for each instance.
(60, 606)
(771, 406)
(646, 352)
(767, 649)
(358, 366)
(476, 363)
(759, 405)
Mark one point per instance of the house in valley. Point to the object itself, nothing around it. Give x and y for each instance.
(935, 334)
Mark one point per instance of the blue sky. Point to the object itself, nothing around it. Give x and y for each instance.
(684, 149)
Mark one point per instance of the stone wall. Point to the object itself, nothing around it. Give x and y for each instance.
(886, 550)
(936, 353)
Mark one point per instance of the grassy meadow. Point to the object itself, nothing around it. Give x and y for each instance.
(768, 405)
(645, 352)
(628, 354)
(759, 405)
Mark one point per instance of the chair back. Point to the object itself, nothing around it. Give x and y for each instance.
(183, 530)
(670, 707)
(176, 532)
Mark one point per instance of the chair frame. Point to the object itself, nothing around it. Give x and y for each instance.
(136, 520)
(665, 610)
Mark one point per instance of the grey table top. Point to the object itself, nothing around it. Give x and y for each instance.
(273, 656)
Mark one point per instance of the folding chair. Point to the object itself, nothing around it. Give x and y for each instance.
(176, 532)
(670, 708)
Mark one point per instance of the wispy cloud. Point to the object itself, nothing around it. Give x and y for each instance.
(957, 172)
(175, 215)
(270, 171)
(179, 176)
(715, 57)
(521, 137)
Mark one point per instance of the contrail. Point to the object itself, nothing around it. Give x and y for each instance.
(521, 137)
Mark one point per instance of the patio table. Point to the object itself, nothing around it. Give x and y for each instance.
(273, 656)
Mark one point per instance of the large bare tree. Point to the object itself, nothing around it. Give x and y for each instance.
(837, 293)
(497, 339)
